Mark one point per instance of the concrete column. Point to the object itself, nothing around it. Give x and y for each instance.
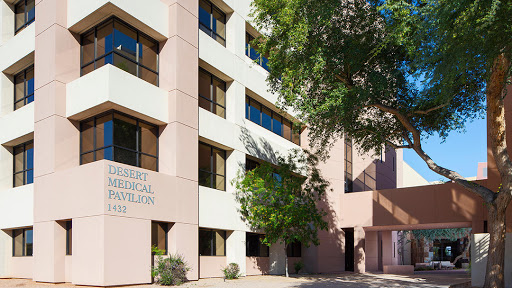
(371, 256)
(6, 160)
(49, 259)
(183, 240)
(56, 139)
(6, 22)
(235, 35)
(113, 250)
(277, 259)
(178, 141)
(235, 249)
(6, 93)
(5, 253)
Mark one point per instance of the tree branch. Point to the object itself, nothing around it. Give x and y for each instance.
(425, 112)
(484, 192)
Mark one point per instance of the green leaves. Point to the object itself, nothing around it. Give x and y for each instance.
(281, 201)
(332, 60)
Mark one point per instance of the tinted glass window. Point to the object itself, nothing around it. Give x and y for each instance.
(212, 242)
(212, 93)
(255, 246)
(212, 21)
(23, 164)
(24, 14)
(23, 242)
(119, 138)
(24, 87)
(212, 167)
(122, 46)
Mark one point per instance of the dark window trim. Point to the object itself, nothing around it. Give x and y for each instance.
(212, 174)
(137, 62)
(23, 252)
(166, 244)
(349, 181)
(26, 22)
(212, 7)
(69, 226)
(248, 46)
(289, 248)
(25, 96)
(249, 100)
(212, 77)
(259, 245)
(24, 171)
(212, 246)
(95, 149)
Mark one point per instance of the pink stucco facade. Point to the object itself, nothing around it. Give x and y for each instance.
(113, 206)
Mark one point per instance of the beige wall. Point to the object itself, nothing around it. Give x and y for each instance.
(479, 254)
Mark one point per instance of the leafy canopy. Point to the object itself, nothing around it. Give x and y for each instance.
(342, 64)
(281, 202)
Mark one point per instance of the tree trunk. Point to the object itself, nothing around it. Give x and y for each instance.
(496, 258)
(286, 262)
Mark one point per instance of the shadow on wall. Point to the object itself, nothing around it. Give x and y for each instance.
(331, 249)
(379, 174)
(261, 149)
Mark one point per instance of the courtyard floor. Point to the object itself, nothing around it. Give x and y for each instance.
(431, 279)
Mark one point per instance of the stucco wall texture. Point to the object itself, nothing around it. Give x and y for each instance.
(113, 247)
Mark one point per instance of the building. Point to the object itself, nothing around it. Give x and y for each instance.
(123, 123)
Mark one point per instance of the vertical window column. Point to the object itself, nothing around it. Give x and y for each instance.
(212, 167)
(23, 164)
(24, 87)
(22, 242)
(212, 93)
(25, 14)
(348, 165)
(212, 242)
(212, 21)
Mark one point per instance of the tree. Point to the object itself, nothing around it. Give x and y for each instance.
(351, 67)
(282, 202)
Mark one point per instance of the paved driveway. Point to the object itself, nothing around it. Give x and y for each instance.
(320, 281)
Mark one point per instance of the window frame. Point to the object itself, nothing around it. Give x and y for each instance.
(213, 7)
(24, 242)
(212, 243)
(212, 78)
(69, 237)
(113, 146)
(259, 59)
(24, 171)
(249, 100)
(137, 62)
(165, 227)
(260, 236)
(290, 248)
(25, 13)
(25, 96)
(349, 177)
(212, 174)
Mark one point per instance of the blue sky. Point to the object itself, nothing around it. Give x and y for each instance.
(460, 152)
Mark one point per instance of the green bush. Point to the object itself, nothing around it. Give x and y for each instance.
(298, 266)
(157, 251)
(170, 271)
(232, 271)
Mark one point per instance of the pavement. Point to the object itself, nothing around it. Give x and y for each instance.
(351, 280)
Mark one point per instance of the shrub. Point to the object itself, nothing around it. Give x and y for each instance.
(298, 266)
(157, 251)
(232, 271)
(170, 271)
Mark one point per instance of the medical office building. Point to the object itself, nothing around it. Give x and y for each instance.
(122, 125)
